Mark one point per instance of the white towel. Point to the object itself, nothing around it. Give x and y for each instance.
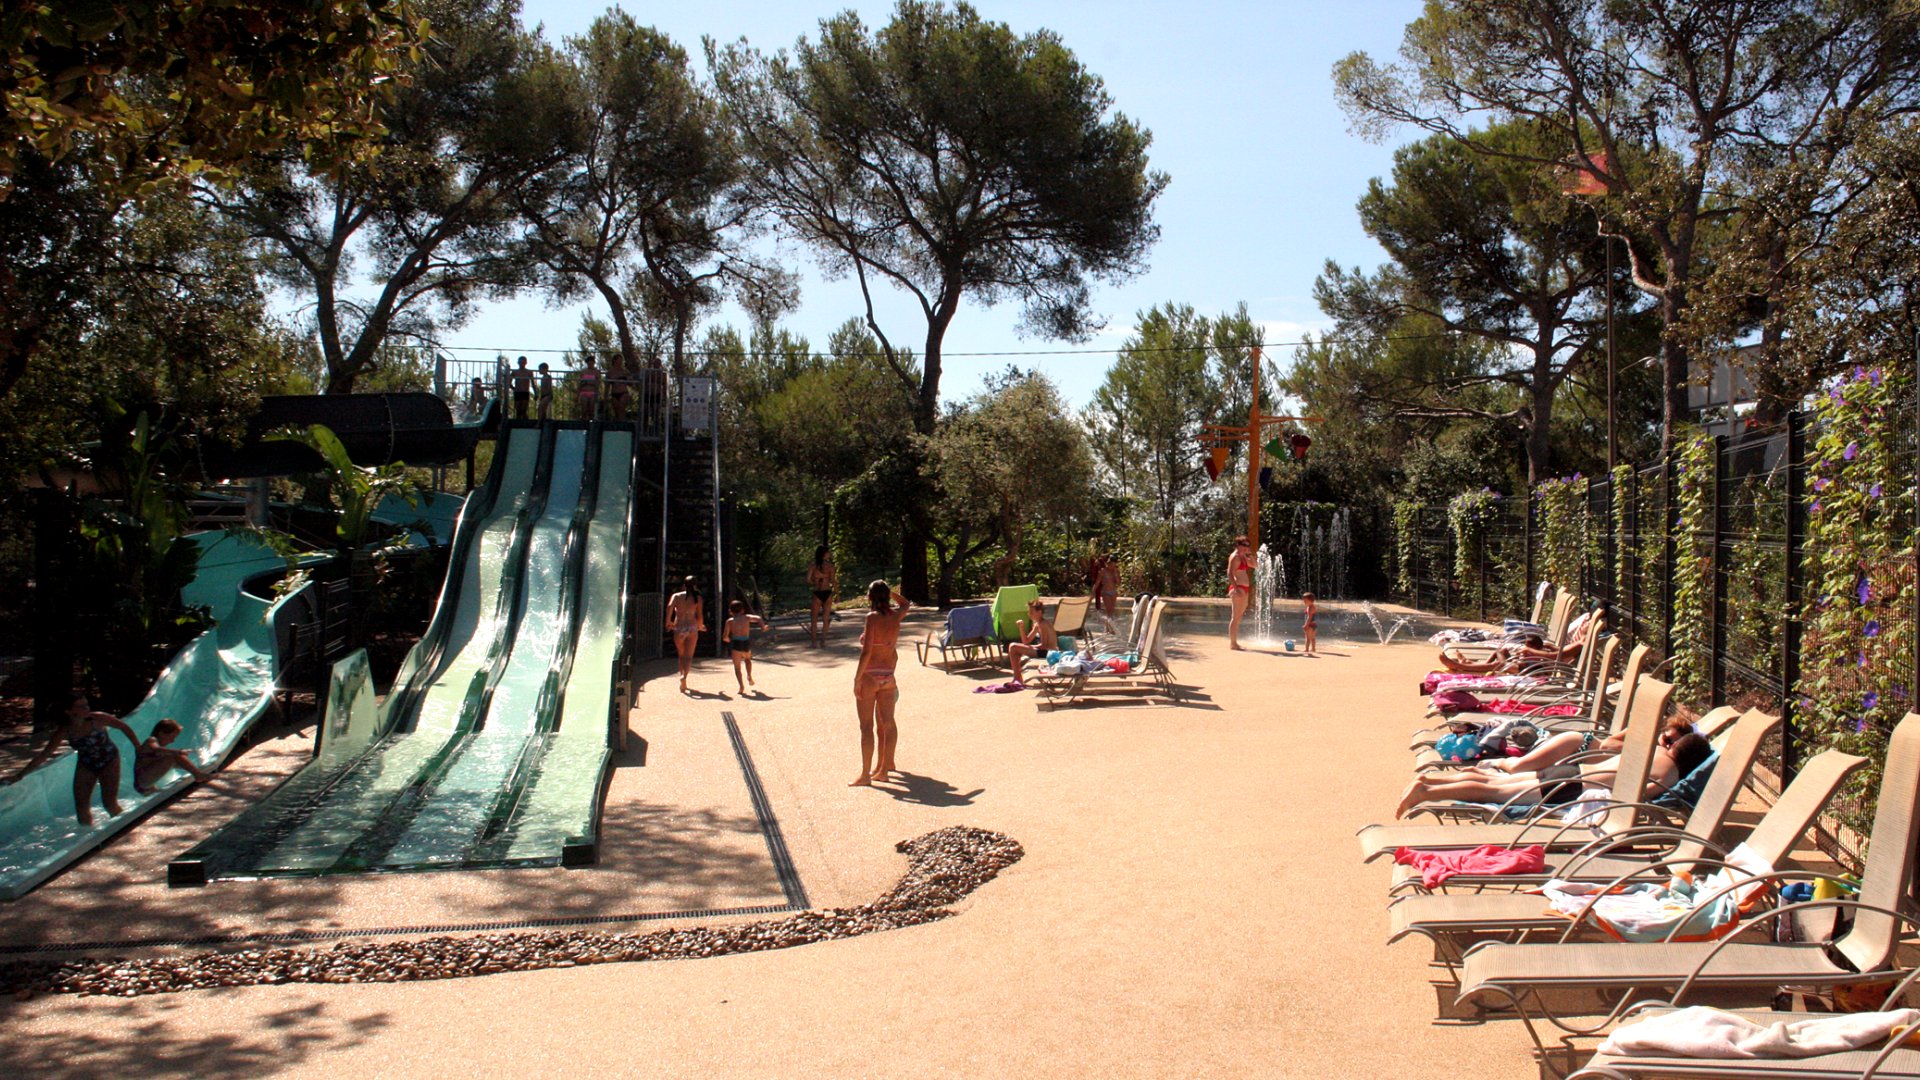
(1702, 1032)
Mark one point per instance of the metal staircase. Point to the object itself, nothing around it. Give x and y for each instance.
(692, 511)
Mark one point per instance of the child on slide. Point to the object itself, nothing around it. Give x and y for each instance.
(740, 626)
(156, 757)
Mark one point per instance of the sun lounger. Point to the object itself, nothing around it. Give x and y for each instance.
(1595, 695)
(1893, 1059)
(1448, 918)
(1070, 616)
(968, 632)
(1522, 976)
(1146, 667)
(1649, 704)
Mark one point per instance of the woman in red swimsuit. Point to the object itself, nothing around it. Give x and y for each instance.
(1239, 586)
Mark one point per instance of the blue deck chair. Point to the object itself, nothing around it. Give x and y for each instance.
(969, 632)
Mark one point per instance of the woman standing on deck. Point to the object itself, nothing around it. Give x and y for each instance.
(1239, 586)
(824, 581)
(687, 619)
(874, 691)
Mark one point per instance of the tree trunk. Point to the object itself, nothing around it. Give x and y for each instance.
(1675, 356)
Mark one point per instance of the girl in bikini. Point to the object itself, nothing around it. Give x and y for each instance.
(824, 582)
(874, 691)
(687, 618)
(89, 733)
(1239, 586)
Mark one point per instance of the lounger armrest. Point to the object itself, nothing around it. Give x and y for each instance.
(1768, 917)
(1632, 838)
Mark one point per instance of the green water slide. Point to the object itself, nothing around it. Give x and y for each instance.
(481, 726)
(215, 688)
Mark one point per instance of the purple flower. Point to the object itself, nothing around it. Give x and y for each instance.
(1859, 373)
(1862, 658)
(1874, 491)
(1815, 508)
(1838, 397)
(1872, 700)
(1860, 724)
(1872, 628)
(1873, 376)
(1865, 591)
(1852, 451)
(1820, 483)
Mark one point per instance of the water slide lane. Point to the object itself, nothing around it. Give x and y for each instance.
(558, 802)
(386, 771)
(454, 805)
(215, 688)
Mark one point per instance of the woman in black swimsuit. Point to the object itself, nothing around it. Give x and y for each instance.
(824, 581)
(88, 732)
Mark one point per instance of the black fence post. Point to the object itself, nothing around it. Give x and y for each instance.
(1796, 525)
(1480, 569)
(1633, 554)
(1717, 578)
(1526, 543)
(1667, 547)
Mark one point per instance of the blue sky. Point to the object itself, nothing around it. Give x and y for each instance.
(1240, 103)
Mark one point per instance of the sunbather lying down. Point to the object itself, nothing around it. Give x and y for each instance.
(1508, 658)
(1555, 785)
(1557, 748)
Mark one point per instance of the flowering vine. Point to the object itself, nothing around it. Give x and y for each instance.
(1405, 519)
(1622, 478)
(1693, 567)
(1468, 514)
(1857, 645)
(1564, 529)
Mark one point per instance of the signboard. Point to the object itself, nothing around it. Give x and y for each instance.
(696, 403)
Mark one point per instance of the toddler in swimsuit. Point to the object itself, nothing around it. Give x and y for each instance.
(740, 627)
(1310, 628)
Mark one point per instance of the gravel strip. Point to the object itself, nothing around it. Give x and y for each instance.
(942, 867)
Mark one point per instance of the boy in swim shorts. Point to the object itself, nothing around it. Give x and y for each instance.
(739, 630)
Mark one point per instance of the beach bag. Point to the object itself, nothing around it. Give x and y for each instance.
(1455, 701)
(1464, 747)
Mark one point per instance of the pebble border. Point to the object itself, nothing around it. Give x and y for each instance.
(942, 867)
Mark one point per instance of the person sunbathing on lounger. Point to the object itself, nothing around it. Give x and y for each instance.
(1557, 748)
(1557, 784)
(1531, 650)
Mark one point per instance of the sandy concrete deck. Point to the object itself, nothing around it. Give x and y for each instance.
(1191, 902)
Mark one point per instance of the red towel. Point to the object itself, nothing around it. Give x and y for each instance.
(1437, 866)
(1516, 705)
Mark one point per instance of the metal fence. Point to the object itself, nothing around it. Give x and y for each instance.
(1750, 552)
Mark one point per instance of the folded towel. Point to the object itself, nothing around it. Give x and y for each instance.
(1702, 1032)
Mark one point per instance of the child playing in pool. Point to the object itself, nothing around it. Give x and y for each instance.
(740, 626)
(155, 758)
(1310, 611)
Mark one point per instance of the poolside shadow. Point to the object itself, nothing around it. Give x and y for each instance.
(144, 1041)
(927, 791)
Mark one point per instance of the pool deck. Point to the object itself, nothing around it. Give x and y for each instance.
(1191, 902)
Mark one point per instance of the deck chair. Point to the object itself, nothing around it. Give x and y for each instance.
(1556, 626)
(1727, 770)
(1593, 693)
(1519, 976)
(1070, 616)
(1009, 607)
(1892, 1060)
(1540, 596)
(1148, 668)
(1446, 919)
(1649, 704)
(1136, 625)
(968, 631)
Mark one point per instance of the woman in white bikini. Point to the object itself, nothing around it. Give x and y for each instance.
(687, 619)
(874, 691)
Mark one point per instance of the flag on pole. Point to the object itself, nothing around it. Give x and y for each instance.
(1582, 175)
